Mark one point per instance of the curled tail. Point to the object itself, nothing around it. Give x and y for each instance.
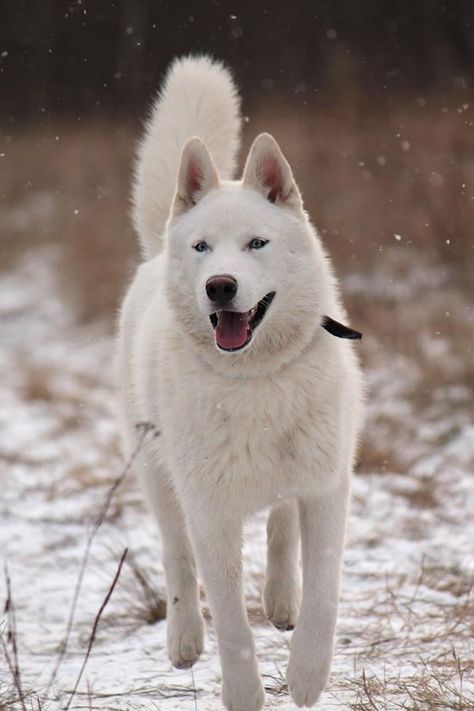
(198, 98)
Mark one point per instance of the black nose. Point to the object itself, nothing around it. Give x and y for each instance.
(221, 289)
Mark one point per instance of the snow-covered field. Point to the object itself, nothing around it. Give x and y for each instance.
(406, 622)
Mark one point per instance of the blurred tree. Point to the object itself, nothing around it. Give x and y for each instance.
(81, 56)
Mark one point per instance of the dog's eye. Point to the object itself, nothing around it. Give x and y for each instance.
(257, 243)
(201, 246)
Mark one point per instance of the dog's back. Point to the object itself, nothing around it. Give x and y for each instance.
(199, 98)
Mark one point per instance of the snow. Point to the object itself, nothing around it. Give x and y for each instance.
(408, 565)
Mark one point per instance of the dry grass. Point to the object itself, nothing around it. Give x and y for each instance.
(424, 496)
(141, 602)
(37, 386)
(381, 454)
(427, 690)
(13, 693)
(430, 636)
(10, 699)
(70, 184)
(367, 175)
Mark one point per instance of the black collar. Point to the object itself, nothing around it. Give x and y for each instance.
(339, 330)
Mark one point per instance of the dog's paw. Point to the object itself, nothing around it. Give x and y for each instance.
(281, 601)
(243, 694)
(185, 637)
(307, 676)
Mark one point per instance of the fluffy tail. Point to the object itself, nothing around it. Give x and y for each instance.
(198, 98)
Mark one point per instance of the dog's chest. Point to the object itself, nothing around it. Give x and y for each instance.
(255, 419)
(267, 435)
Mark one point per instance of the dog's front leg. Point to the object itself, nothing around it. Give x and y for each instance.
(323, 522)
(218, 551)
(282, 593)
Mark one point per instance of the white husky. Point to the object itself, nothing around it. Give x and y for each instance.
(224, 346)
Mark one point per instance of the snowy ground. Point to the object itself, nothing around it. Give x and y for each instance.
(406, 622)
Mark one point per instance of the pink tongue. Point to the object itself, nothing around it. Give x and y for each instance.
(232, 329)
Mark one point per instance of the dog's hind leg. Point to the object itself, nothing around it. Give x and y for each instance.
(282, 592)
(185, 626)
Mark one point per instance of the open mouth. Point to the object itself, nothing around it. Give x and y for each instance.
(233, 329)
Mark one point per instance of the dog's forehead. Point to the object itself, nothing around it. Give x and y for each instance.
(233, 211)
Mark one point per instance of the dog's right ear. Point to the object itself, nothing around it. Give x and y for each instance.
(197, 175)
(268, 172)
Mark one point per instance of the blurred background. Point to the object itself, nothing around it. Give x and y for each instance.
(371, 102)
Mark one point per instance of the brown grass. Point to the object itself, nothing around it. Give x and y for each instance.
(426, 690)
(381, 454)
(430, 640)
(8, 697)
(70, 184)
(366, 176)
(424, 496)
(140, 599)
(370, 174)
(37, 386)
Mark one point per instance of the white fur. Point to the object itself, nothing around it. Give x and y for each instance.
(272, 425)
(198, 99)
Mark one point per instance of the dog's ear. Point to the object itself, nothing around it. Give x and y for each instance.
(197, 175)
(268, 171)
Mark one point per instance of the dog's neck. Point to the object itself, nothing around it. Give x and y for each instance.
(248, 365)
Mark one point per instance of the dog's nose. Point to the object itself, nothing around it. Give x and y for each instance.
(221, 289)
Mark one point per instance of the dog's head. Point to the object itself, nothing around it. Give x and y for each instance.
(247, 276)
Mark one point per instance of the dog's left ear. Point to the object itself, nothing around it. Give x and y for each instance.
(268, 171)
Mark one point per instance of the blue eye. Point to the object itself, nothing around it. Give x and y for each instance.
(201, 246)
(257, 243)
